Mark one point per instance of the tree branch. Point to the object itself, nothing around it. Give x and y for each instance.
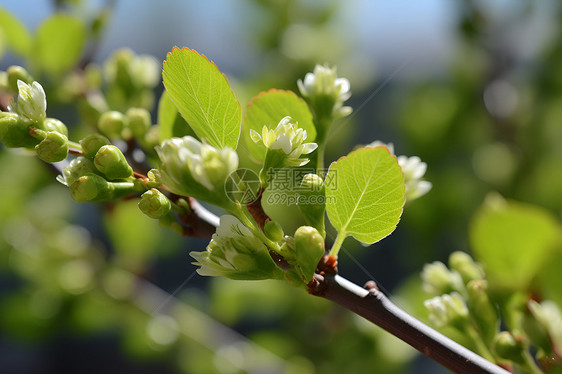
(374, 306)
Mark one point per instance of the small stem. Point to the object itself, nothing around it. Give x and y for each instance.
(337, 245)
(75, 145)
(320, 157)
(480, 344)
(530, 364)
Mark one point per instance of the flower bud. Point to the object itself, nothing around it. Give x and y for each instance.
(236, 253)
(482, 310)
(154, 204)
(508, 348)
(17, 73)
(312, 201)
(53, 148)
(448, 310)
(549, 317)
(326, 93)
(438, 280)
(139, 121)
(14, 132)
(273, 231)
(90, 188)
(31, 102)
(414, 170)
(92, 143)
(53, 124)
(93, 188)
(112, 123)
(309, 247)
(112, 163)
(154, 177)
(191, 168)
(465, 265)
(77, 168)
(284, 144)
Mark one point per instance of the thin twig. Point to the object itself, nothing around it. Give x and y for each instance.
(374, 306)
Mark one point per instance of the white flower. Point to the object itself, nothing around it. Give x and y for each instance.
(324, 82)
(288, 138)
(31, 102)
(235, 252)
(207, 165)
(414, 170)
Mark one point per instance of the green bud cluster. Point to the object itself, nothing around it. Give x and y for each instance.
(130, 79)
(461, 299)
(27, 124)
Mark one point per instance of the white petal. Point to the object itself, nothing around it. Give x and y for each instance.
(308, 148)
(192, 144)
(255, 136)
(283, 142)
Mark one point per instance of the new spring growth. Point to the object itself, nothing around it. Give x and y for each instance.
(273, 231)
(549, 317)
(309, 248)
(77, 168)
(53, 148)
(284, 146)
(482, 310)
(326, 93)
(508, 348)
(186, 160)
(448, 310)
(236, 253)
(53, 124)
(414, 170)
(154, 204)
(438, 280)
(466, 266)
(110, 161)
(14, 132)
(93, 188)
(92, 143)
(17, 73)
(31, 102)
(112, 123)
(139, 121)
(312, 201)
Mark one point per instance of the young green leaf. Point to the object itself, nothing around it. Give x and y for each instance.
(268, 108)
(364, 195)
(170, 122)
(59, 43)
(16, 36)
(513, 240)
(203, 97)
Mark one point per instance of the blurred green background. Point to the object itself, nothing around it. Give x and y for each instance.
(474, 88)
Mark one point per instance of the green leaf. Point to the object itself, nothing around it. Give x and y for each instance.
(203, 97)
(365, 195)
(513, 240)
(170, 122)
(268, 108)
(16, 35)
(59, 44)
